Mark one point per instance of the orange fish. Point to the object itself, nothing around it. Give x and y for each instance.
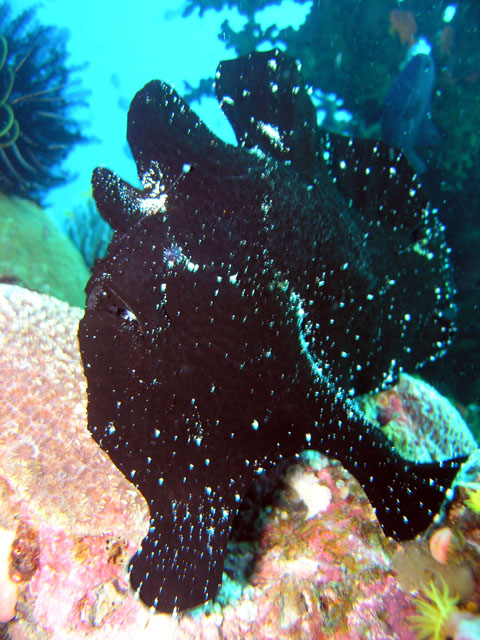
(404, 24)
(446, 40)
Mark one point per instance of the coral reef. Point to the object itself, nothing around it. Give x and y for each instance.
(73, 520)
(36, 128)
(36, 255)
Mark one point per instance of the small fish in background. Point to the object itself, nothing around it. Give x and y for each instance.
(406, 120)
(403, 23)
(446, 40)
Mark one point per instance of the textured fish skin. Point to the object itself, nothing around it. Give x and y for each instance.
(225, 329)
(406, 120)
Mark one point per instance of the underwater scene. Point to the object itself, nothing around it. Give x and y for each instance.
(240, 320)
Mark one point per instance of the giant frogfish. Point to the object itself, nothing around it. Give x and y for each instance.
(249, 292)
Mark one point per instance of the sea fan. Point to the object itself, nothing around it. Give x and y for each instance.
(36, 130)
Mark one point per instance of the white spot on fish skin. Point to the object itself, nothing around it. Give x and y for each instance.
(255, 425)
(191, 266)
(272, 63)
(272, 132)
(128, 315)
(227, 100)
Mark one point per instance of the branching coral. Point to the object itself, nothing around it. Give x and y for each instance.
(36, 130)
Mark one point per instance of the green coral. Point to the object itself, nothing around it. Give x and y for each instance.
(34, 254)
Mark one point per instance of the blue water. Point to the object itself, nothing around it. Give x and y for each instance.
(126, 44)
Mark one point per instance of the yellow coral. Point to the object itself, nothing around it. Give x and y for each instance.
(473, 499)
(433, 612)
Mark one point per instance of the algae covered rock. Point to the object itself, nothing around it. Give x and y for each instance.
(36, 255)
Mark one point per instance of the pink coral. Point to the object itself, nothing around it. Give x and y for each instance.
(55, 479)
(8, 588)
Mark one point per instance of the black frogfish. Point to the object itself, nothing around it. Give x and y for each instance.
(249, 292)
